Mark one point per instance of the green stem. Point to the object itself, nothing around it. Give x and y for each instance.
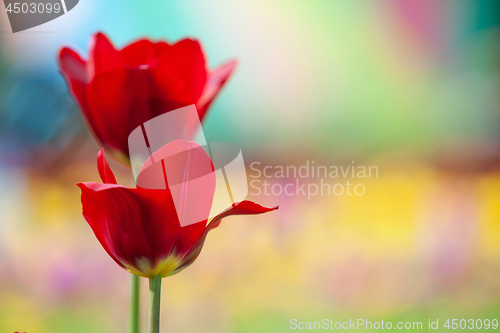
(154, 303)
(134, 324)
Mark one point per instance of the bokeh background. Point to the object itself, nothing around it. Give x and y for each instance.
(412, 87)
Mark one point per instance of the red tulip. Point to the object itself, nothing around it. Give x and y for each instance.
(118, 90)
(139, 228)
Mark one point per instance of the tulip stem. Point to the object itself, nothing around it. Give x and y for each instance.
(154, 303)
(134, 324)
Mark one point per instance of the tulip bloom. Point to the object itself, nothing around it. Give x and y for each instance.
(139, 228)
(118, 90)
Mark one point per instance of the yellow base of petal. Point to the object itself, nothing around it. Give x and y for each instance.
(146, 269)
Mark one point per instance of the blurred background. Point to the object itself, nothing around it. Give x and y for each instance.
(412, 87)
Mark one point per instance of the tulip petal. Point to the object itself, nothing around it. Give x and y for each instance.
(73, 70)
(241, 208)
(123, 99)
(105, 172)
(215, 82)
(160, 48)
(72, 65)
(142, 52)
(185, 61)
(187, 237)
(133, 225)
(245, 207)
(188, 171)
(103, 56)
